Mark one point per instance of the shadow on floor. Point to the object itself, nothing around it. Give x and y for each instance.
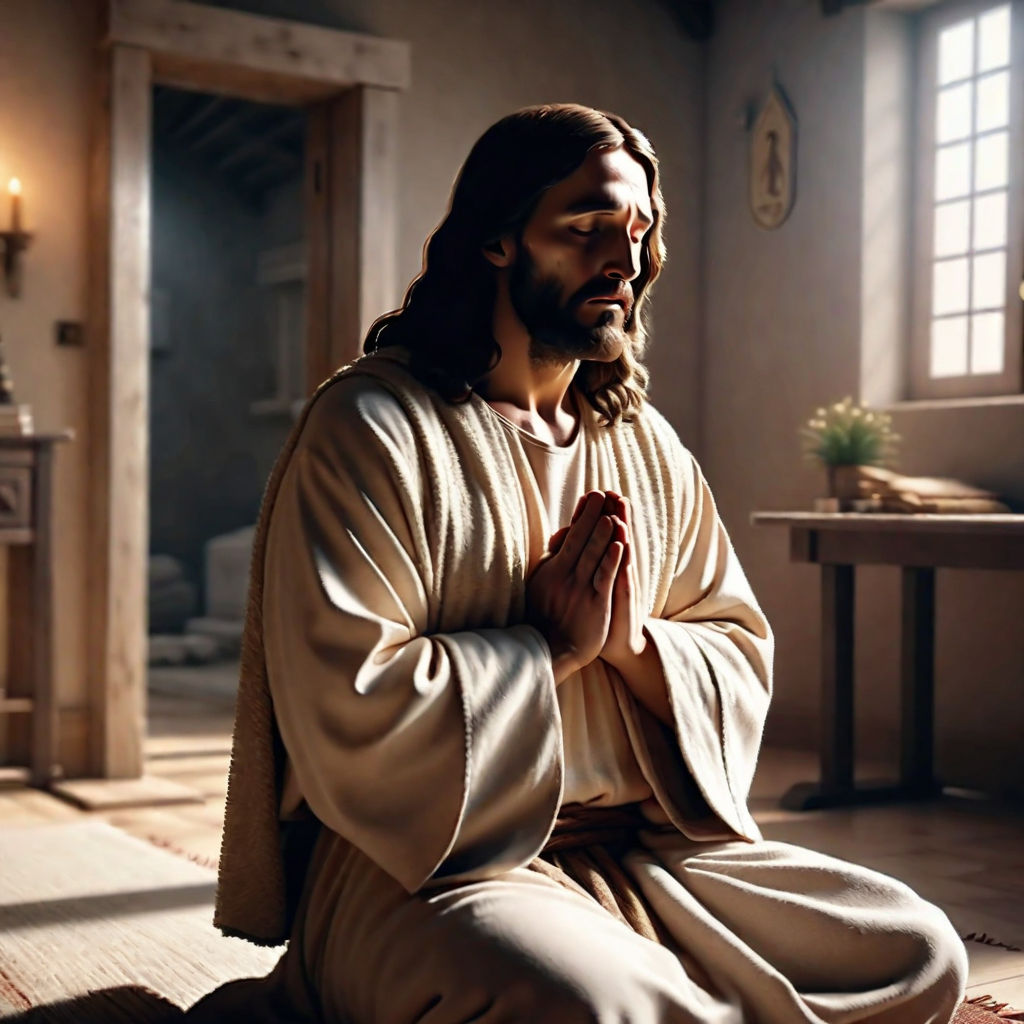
(43, 913)
(126, 1004)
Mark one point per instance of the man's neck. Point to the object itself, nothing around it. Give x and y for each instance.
(533, 395)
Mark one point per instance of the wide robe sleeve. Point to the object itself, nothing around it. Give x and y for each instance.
(437, 755)
(716, 648)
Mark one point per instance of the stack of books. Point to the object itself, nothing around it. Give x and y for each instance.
(15, 420)
(881, 490)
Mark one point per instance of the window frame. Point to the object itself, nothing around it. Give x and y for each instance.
(1010, 381)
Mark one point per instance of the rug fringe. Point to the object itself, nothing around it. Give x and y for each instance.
(1002, 1010)
(196, 858)
(987, 940)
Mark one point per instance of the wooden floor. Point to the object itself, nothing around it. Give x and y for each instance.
(965, 855)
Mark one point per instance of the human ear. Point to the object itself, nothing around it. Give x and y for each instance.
(500, 252)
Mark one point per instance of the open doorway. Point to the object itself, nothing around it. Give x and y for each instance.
(227, 367)
(347, 86)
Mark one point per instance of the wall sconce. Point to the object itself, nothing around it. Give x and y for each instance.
(15, 242)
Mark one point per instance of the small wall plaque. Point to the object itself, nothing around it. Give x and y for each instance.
(773, 161)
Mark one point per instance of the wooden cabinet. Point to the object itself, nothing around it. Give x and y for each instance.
(26, 529)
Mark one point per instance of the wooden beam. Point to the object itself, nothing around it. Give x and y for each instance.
(318, 254)
(275, 171)
(235, 120)
(261, 143)
(202, 111)
(273, 161)
(364, 223)
(98, 435)
(119, 430)
(353, 271)
(267, 59)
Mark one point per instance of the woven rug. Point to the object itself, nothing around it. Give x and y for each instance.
(986, 1010)
(96, 925)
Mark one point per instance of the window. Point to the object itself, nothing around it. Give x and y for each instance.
(967, 321)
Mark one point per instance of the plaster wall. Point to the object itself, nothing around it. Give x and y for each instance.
(816, 310)
(45, 74)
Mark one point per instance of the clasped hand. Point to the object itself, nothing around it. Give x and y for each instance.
(582, 596)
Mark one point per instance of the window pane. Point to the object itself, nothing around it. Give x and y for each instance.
(949, 287)
(949, 347)
(993, 101)
(988, 282)
(994, 39)
(953, 113)
(990, 162)
(987, 343)
(951, 228)
(953, 171)
(956, 52)
(989, 221)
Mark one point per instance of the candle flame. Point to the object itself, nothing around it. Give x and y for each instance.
(14, 187)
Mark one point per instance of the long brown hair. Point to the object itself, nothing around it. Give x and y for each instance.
(445, 320)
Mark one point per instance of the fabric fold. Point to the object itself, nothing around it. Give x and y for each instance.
(395, 730)
(715, 648)
(390, 687)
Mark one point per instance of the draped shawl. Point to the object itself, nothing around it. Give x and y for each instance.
(435, 698)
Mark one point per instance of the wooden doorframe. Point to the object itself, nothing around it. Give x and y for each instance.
(349, 83)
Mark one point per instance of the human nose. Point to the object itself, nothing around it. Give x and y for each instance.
(623, 260)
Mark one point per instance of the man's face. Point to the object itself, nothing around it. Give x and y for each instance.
(570, 281)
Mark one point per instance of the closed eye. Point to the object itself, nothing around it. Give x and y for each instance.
(590, 232)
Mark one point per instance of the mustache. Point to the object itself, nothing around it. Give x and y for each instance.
(605, 289)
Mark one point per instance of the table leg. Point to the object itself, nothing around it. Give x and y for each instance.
(837, 677)
(836, 787)
(836, 739)
(917, 674)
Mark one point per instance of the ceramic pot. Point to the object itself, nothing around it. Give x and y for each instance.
(844, 482)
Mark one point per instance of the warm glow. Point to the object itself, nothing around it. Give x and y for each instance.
(14, 187)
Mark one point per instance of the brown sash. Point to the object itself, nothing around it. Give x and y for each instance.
(584, 853)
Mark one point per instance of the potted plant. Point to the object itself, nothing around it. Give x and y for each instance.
(843, 436)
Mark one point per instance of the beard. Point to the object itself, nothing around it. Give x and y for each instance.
(556, 334)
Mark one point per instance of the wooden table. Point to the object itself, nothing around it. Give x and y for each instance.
(918, 544)
(26, 526)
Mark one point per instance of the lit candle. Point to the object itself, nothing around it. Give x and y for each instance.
(14, 187)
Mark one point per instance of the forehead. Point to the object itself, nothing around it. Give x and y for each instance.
(611, 178)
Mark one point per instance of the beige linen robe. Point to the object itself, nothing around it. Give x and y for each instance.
(423, 728)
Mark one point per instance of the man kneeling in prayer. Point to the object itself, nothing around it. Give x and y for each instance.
(504, 679)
